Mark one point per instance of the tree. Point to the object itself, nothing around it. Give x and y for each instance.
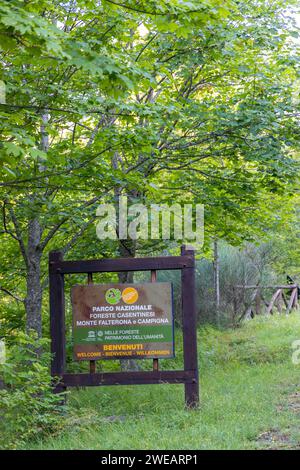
(157, 100)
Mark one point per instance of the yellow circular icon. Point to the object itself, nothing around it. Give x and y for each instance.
(130, 295)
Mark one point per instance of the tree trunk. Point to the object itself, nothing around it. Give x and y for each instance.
(33, 301)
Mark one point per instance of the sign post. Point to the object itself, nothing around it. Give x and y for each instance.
(118, 321)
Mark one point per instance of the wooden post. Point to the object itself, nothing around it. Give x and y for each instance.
(293, 297)
(57, 319)
(153, 279)
(189, 323)
(92, 363)
(272, 302)
(280, 302)
(258, 302)
(296, 303)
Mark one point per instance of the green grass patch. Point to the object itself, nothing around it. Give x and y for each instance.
(246, 376)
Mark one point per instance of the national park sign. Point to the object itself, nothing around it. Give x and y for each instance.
(113, 321)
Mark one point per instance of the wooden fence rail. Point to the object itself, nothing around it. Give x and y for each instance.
(284, 299)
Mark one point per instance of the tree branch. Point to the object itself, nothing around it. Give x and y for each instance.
(145, 46)
(51, 234)
(14, 296)
(73, 240)
(18, 233)
(5, 224)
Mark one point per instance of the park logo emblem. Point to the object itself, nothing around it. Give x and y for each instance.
(130, 295)
(113, 296)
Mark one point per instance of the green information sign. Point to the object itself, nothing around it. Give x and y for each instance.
(112, 321)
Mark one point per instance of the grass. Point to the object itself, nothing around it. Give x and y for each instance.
(248, 390)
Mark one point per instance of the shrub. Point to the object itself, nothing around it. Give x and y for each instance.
(28, 407)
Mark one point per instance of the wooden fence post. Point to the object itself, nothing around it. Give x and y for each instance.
(189, 323)
(57, 319)
(293, 300)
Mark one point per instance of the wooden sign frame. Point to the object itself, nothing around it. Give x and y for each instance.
(188, 376)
